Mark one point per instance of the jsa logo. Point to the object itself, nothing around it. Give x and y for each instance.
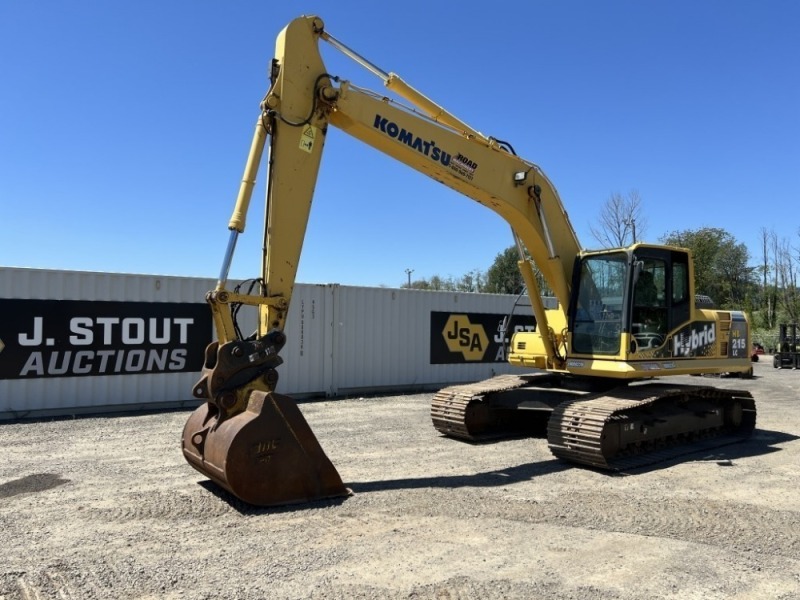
(468, 338)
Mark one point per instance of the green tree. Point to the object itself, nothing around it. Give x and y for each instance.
(503, 277)
(473, 281)
(720, 264)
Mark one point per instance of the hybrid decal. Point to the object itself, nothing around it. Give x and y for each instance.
(474, 337)
(695, 340)
(73, 338)
(460, 164)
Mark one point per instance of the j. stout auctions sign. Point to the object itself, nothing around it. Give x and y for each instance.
(74, 338)
(474, 337)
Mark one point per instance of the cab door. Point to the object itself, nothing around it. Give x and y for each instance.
(661, 297)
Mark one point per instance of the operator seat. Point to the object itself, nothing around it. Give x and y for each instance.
(649, 316)
(645, 293)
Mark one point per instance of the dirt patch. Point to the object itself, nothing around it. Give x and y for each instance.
(100, 508)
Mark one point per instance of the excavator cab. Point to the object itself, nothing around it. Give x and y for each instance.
(626, 301)
(638, 304)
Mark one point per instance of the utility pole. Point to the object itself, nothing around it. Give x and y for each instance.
(409, 272)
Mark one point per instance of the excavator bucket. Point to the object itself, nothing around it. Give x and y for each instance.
(266, 455)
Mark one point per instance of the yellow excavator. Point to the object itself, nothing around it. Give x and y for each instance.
(624, 317)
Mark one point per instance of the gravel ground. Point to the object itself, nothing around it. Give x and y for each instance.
(98, 508)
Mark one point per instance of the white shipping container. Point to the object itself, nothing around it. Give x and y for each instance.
(340, 340)
(32, 396)
(383, 338)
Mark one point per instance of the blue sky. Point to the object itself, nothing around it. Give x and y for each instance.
(124, 127)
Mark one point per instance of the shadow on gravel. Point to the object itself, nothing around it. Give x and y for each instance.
(249, 509)
(516, 474)
(488, 479)
(761, 443)
(31, 484)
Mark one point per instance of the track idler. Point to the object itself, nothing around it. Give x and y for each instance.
(251, 441)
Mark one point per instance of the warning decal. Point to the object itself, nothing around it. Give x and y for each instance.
(307, 138)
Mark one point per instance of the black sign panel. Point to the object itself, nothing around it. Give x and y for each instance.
(75, 338)
(738, 347)
(474, 337)
(698, 338)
